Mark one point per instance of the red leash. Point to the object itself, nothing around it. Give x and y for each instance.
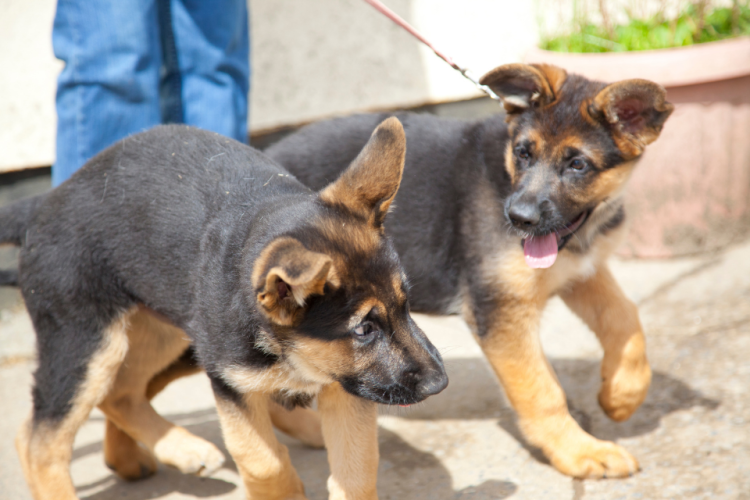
(408, 27)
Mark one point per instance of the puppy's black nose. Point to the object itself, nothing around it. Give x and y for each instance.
(524, 214)
(432, 383)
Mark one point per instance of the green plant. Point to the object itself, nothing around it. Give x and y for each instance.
(695, 24)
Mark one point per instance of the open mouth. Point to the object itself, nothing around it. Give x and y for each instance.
(540, 252)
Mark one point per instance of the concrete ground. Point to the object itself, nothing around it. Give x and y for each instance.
(692, 434)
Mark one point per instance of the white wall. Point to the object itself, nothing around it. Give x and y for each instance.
(311, 59)
(322, 57)
(28, 71)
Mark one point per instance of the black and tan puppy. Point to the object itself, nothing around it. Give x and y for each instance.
(496, 216)
(179, 236)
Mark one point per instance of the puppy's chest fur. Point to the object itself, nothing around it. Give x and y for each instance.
(291, 380)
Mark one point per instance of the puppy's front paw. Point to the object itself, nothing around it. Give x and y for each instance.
(588, 457)
(624, 392)
(576, 453)
(625, 381)
(188, 453)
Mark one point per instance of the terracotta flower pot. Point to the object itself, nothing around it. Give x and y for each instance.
(691, 191)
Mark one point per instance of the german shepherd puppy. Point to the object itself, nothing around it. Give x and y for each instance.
(495, 216)
(178, 237)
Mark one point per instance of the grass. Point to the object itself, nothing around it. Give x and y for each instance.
(656, 32)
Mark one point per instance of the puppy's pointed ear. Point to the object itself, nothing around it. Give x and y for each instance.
(525, 85)
(635, 111)
(370, 183)
(285, 275)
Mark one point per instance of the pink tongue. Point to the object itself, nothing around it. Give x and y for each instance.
(540, 251)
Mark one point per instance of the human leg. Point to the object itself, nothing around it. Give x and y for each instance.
(109, 86)
(212, 41)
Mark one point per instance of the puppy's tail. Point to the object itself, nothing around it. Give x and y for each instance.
(15, 219)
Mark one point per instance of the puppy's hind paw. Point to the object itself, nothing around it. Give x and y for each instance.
(133, 467)
(124, 456)
(188, 453)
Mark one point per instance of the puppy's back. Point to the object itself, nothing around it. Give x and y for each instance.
(142, 208)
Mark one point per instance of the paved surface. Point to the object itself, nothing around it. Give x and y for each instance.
(692, 434)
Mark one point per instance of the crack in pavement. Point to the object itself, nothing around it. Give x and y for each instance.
(579, 489)
(664, 288)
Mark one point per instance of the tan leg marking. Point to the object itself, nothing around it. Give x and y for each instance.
(350, 429)
(125, 456)
(263, 462)
(511, 343)
(512, 346)
(45, 449)
(299, 423)
(165, 377)
(121, 452)
(154, 345)
(23, 439)
(626, 375)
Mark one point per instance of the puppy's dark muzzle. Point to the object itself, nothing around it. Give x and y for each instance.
(430, 377)
(432, 383)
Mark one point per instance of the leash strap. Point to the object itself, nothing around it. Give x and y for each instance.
(464, 71)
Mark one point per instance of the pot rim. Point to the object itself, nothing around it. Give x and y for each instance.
(673, 67)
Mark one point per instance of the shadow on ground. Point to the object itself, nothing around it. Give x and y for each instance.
(473, 393)
(405, 472)
(166, 482)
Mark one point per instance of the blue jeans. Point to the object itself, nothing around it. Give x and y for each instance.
(132, 64)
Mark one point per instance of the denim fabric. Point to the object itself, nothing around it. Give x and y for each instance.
(132, 64)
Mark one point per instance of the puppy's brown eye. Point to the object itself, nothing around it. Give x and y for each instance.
(522, 152)
(363, 329)
(577, 164)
